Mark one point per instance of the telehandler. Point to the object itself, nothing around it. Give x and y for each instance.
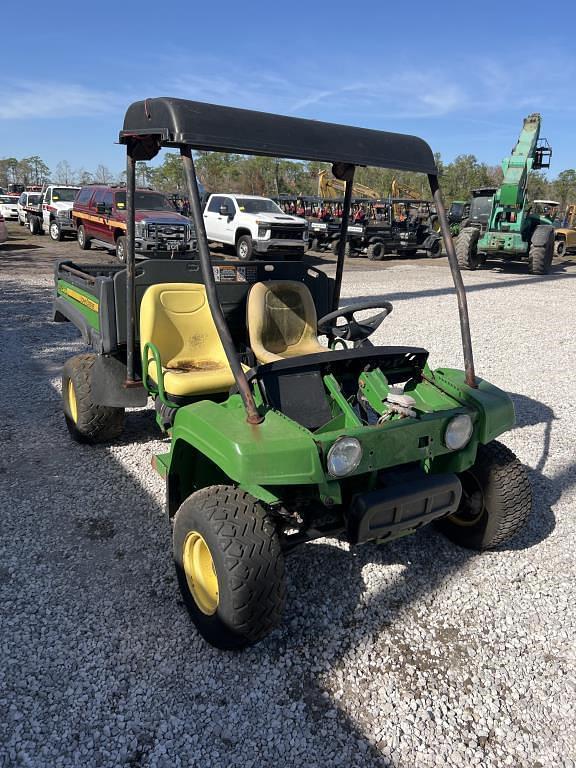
(277, 439)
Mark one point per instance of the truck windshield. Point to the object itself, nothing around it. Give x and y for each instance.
(146, 201)
(64, 194)
(258, 205)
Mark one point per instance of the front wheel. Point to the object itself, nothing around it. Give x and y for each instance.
(55, 231)
(467, 248)
(541, 254)
(244, 248)
(560, 248)
(376, 251)
(435, 249)
(496, 500)
(87, 421)
(229, 566)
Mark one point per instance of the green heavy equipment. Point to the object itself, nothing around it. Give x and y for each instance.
(514, 231)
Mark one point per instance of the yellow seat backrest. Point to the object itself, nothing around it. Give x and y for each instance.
(176, 318)
(282, 321)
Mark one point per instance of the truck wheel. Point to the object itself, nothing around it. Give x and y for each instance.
(121, 249)
(435, 250)
(376, 251)
(334, 246)
(34, 225)
(540, 256)
(560, 248)
(229, 566)
(83, 241)
(87, 422)
(55, 231)
(496, 500)
(244, 247)
(467, 248)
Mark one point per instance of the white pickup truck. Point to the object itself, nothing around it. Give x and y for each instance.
(52, 214)
(254, 226)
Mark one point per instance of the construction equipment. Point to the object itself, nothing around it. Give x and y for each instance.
(329, 187)
(565, 235)
(514, 230)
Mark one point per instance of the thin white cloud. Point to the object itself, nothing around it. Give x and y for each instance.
(27, 99)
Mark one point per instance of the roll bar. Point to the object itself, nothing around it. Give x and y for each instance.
(154, 123)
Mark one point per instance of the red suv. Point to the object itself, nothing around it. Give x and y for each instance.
(99, 215)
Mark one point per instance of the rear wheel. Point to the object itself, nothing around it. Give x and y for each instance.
(467, 248)
(34, 225)
(540, 256)
(229, 566)
(87, 422)
(83, 241)
(121, 249)
(349, 251)
(496, 500)
(55, 231)
(376, 251)
(244, 247)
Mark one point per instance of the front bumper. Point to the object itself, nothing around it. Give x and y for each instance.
(402, 507)
(264, 246)
(145, 245)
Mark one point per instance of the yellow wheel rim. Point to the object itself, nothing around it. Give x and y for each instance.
(200, 573)
(72, 404)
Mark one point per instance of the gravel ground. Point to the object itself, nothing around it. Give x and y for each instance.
(414, 654)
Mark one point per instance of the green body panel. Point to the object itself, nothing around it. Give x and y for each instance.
(213, 442)
(510, 225)
(494, 407)
(82, 301)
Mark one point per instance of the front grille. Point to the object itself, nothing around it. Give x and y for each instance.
(167, 231)
(287, 233)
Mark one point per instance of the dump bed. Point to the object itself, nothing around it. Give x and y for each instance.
(93, 296)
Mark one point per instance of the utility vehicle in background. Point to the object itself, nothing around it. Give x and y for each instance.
(276, 438)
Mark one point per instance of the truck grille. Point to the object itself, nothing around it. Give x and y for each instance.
(167, 231)
(286, 232)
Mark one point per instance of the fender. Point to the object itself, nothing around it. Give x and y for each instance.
(430, 240)
(108, 377)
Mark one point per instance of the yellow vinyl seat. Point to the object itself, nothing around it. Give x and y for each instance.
(282, 321)
(176, 319)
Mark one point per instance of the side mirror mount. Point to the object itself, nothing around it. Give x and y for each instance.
(100, 208)
(224, 210)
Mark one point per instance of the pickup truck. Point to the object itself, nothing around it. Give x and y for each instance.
(52, 213)
(254, 226)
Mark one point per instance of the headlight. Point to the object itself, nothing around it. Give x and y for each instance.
(263, 231)
(344, 456)
(458, 432)
(63, 214)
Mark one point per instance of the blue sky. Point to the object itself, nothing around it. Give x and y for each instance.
(462, 77)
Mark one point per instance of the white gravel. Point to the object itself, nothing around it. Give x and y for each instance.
(414, 654)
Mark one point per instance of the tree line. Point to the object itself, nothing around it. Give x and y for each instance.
(228, 172)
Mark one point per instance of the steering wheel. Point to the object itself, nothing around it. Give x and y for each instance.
(354, 330)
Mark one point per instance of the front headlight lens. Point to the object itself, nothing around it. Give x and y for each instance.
(344, 456)
(263, 231)
(458, 432)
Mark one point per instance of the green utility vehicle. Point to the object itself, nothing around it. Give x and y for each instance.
(276, 438)
(513, 230)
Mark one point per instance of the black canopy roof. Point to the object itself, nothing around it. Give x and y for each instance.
(175, 122)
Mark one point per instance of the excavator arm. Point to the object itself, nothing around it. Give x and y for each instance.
(530, 153)
(329, 187)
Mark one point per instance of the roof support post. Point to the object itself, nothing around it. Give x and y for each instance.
(346, 172)
(130, 268)
(252, 415)
(458, 282)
